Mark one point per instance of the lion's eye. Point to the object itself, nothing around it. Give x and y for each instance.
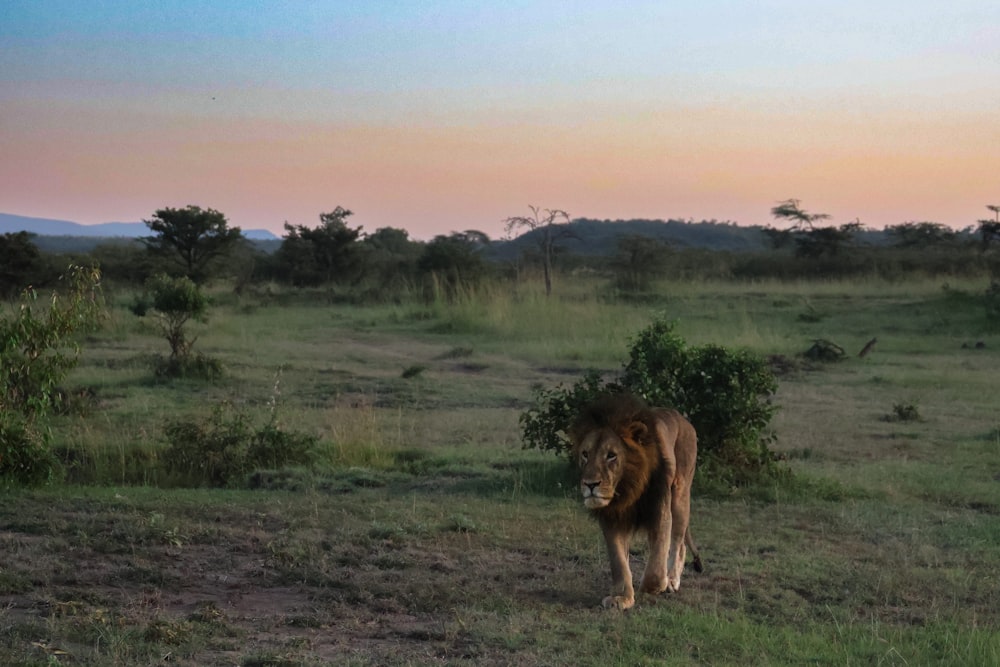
(612, 456)
(583, 456)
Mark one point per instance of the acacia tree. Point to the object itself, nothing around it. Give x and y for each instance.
(810, 241)
(549, 224)
(192, 237)
(791, 210)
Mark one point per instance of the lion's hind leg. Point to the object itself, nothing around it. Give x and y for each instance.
(681, 510)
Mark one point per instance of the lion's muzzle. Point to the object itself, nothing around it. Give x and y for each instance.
(592, 499)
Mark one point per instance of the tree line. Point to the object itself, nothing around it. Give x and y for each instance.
(200, 244)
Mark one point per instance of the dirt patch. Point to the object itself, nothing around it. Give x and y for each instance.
(212, 585)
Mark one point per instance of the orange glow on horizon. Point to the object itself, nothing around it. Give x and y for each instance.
(726, 164)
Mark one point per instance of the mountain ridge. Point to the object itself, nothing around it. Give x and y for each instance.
(11, 224)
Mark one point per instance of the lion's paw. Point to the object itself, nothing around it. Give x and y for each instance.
(619, 602)
(654, 586)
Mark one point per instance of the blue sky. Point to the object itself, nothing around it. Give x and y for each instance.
(438, 116)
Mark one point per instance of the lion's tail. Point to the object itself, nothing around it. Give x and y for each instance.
(695, 557)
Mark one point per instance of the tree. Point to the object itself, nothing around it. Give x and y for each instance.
(779, 238)
(191, 236)
(810, 241)
(791, 209)
(177, 301)
(819, 241)
(454, 260)
(546, 224)
(324, 254)
(389, 258)
(989, 230)
(638, 261)
(919, 234)
(20, 262)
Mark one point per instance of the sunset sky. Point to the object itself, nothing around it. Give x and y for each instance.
(439, 116)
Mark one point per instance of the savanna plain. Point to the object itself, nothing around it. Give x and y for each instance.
(429, 535)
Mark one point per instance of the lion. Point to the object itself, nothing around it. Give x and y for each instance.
(637, 463)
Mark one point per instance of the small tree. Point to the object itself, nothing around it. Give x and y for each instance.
(37, 350)
(548, 225)
(176, 302)
(192, 237)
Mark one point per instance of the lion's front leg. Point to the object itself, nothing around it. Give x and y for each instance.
(655, 579)
(622, 594)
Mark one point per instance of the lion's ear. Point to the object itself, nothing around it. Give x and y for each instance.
(636, 431)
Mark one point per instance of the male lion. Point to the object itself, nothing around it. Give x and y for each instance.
(637, 464)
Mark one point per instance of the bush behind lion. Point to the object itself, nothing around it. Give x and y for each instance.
(726, 395)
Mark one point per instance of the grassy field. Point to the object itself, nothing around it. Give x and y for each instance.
(429, 536)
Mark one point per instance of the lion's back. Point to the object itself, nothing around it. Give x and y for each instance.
(677, 439)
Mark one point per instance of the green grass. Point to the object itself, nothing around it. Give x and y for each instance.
(426, 535)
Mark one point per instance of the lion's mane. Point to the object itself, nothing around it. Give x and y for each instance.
(640, 490)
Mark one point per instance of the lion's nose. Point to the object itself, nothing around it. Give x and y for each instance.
(592, 486)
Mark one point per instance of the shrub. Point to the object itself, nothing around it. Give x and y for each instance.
(903, 412)
(37, 350)
(196, 367)
(226, 448)
(725, 394)
(25, 455)
(177, 301)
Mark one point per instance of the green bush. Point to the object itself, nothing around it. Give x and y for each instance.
(226, 448)
(724, 393)
(177, 301)
(195, 367)
(992, 300)
(37, 350)
(25, 455)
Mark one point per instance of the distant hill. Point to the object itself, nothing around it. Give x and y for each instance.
(590, 237)
(46, 227)
(600, 237)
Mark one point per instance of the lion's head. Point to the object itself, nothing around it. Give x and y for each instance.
(612, 445)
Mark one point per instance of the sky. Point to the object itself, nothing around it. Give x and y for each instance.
(437, 116)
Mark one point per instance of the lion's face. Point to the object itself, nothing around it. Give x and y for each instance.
(601, 455)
